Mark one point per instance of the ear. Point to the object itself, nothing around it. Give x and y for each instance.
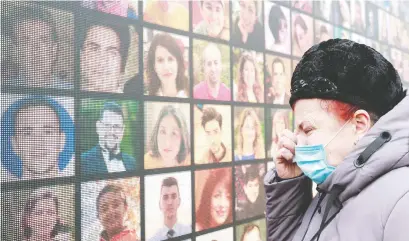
(362, 122)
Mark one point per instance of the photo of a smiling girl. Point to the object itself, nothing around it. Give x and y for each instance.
(166, 64)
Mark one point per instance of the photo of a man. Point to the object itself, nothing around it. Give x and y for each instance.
(34, 49)
(104, 53)
(213, 18)
(170, 200)
(212, 87)
(277, 83)
(38, 137)
(107, 155)
(216, 151)
(111, 210)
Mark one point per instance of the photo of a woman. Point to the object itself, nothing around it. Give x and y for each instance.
(169, 141)
(249, 139)
(215, 201)
(279, 122)
(41, 220)
(249, 84)
(277, 28)
(165, 67)
(302, 34)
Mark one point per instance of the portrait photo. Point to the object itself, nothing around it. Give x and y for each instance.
(322, 9)
(123, 8)
(358, 15)
(109, 55)
(303, 5)
(277, 28)
(168, 205)
(221, 235)
(110, 133)
(254, 231)
(249, 133)
(213, 198)
(277, 79)
(211, 18)
(341, 33)
(37, 135)
(212, 133)
(110, 210)
(211, 68)
(167, 135)
(248, 76)
(277, 121)
(40, 213)
(166, 64)
(250, 194)
(247, 28)
(384, 23)
(341, 13)
(323, 31)
(38, 49)
(168, 13)
(302, 33)
(371, 20)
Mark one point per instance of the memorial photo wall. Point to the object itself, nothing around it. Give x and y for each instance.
(155, 120)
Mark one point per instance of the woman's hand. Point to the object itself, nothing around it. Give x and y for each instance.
(285, 166)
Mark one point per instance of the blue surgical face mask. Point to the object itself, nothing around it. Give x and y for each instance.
(312, 160)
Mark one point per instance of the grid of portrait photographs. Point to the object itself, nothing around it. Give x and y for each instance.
(154, 120)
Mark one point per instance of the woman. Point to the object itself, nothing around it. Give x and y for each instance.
(249, 138)
(247, 30)
(213, 20)
(249, 88)
(279, 123)
(279, 27)
(351, 140)
(169, 144)
(41, 221)
(302, 40)
(165, 68)
(216, 205)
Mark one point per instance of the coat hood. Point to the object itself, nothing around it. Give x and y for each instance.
(392, 155)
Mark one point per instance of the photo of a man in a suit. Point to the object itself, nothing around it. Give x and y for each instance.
(107, 156)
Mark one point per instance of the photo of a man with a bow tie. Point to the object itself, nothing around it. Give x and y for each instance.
(107, 156)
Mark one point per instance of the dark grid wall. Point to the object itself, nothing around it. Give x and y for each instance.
(120, 118)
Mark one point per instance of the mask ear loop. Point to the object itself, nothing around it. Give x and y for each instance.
(336, 134)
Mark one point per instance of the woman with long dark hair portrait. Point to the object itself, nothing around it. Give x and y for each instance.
(249, 87)
(215, 206)
(41, 220)
(249, 138)
(165, 68)
(169, 143)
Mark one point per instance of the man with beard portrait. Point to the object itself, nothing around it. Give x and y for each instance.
(107, 156)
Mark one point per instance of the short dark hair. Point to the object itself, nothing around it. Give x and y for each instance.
(37, 103)
(168, 182)
(24, 13)
(247, 229)
(252, 173)
(210, 114)
(121, 30)
(107, 189)
(274, 17)
(112, 107)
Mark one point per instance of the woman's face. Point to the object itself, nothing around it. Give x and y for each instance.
(315, 125)
(279, 124)
(283, 31)
(249, 130)
(300, 34)
(213, 15)
(249, 74)
(169, 140)
(248, 15)
(166, 66)
(220, 204)
(43, 218)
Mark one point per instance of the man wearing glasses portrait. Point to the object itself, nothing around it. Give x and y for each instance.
(106, 156)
